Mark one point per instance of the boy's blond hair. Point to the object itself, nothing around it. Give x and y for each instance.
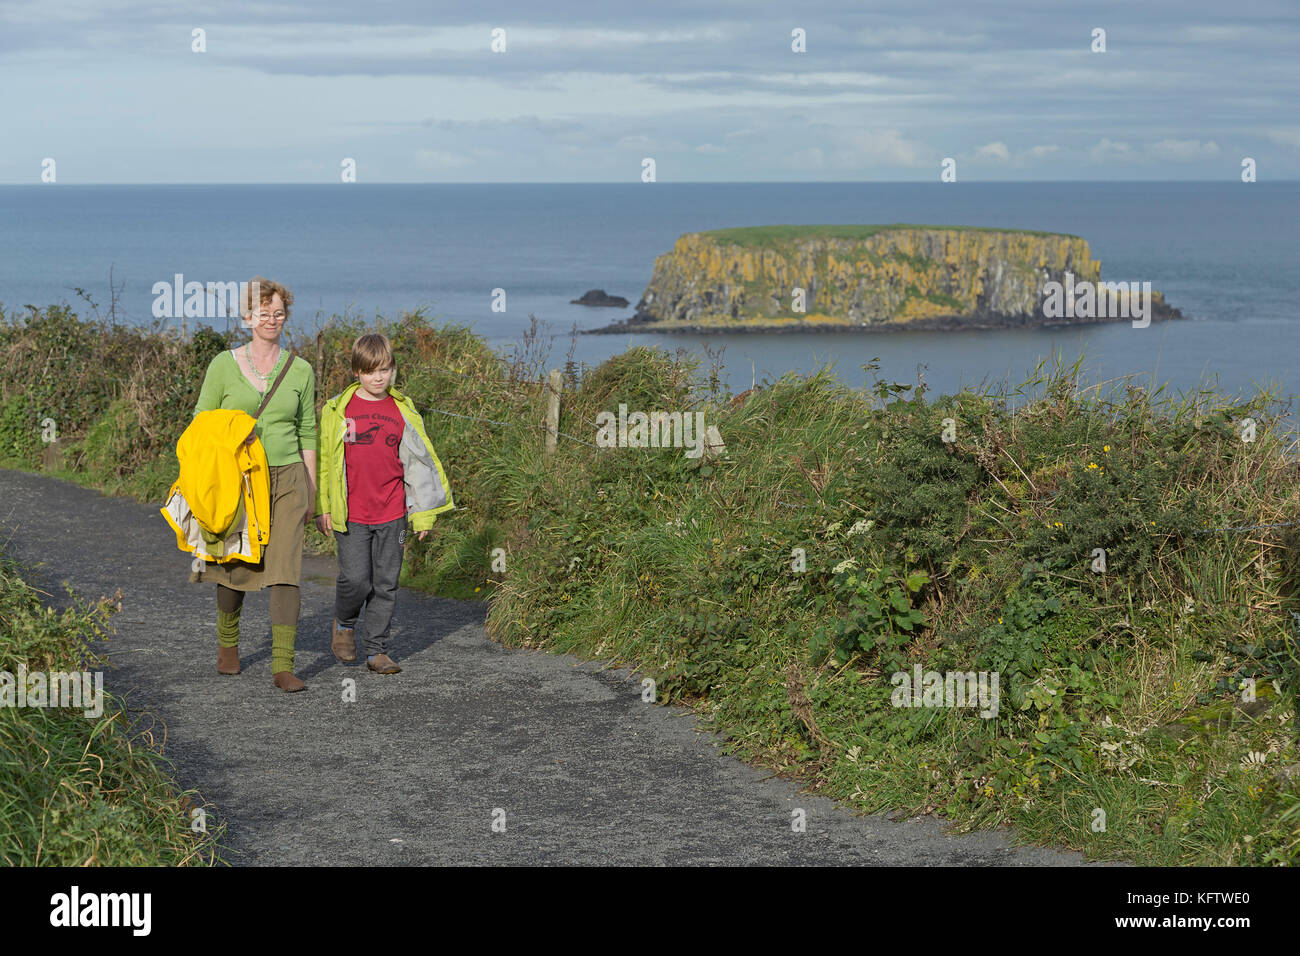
(370, 352)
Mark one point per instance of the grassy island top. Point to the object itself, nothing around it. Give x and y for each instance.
(763, 236)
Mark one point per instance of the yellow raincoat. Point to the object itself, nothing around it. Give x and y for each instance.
(220, 506)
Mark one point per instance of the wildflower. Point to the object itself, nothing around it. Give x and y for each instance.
(861, 526)
(1092, 464)
(476, 590)
(844, 565)
(1105, 448)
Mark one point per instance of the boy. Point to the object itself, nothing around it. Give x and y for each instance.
(377, 470)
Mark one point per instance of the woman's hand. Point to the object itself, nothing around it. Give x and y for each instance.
(309, 463)
(323, 524)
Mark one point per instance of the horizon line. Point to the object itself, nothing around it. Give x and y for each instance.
(683, 182)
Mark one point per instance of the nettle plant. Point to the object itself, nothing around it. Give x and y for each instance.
(879, 618)
(1019, 645)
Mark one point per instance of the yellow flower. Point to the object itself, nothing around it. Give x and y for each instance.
(1092, 464)
(476, 590)
(1105, 448)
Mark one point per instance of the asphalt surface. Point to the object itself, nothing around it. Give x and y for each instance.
(419, 767)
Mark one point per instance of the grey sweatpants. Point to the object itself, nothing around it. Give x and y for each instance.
(370, 562)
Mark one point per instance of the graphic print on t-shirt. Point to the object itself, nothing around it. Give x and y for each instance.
(376, 493)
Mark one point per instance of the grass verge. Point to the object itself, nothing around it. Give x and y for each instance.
(78, 790)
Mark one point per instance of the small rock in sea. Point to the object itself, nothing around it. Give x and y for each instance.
(598, 297)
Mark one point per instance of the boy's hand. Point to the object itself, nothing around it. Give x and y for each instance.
(323, 524)
(422, 535)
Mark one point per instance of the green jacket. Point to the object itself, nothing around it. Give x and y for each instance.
(427, 492)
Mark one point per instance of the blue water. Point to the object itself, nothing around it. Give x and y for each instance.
(1223, 252)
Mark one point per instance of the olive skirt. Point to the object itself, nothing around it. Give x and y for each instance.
(282, 558)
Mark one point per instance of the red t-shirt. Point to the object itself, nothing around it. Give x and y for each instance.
(374, 470)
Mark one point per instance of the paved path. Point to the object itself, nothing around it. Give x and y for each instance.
(412, 771)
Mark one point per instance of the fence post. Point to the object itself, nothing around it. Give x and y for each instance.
(52, 456)
(553, 411)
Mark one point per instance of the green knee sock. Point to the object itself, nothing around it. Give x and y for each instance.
(228, 628)
(282, 638)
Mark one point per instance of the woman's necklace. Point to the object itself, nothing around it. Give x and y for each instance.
(266, 379)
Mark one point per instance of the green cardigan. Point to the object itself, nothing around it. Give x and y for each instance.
(288, 426)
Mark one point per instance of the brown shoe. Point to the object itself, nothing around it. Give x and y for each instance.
(288, 683)
(343, 644)
(227, 660)
(383, 664)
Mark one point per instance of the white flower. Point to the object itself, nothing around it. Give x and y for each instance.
(861, 526)
(845, 565)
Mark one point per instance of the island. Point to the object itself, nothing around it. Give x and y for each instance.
(797, 278)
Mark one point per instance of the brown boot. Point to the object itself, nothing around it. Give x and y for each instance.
(343, 644)
(288, 683)
(227, 660)
(383, 664)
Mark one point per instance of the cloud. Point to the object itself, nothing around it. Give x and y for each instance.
(884, 147)
(1108, 151)
(634, 141)
(923, 37)
(858, 151)
(997, 152)
(1285, 136)
(811, 159)
(1183, 150)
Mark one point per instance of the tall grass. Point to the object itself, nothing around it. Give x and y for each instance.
(78, 790)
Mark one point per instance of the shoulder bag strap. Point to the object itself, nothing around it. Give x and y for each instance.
(276, 384)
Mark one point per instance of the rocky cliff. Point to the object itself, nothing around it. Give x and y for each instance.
(869, 276)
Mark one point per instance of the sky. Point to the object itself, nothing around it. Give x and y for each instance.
(114, 91)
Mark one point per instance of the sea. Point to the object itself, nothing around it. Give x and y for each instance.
(493, 256)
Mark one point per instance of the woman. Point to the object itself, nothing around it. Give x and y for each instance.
(239, 379)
